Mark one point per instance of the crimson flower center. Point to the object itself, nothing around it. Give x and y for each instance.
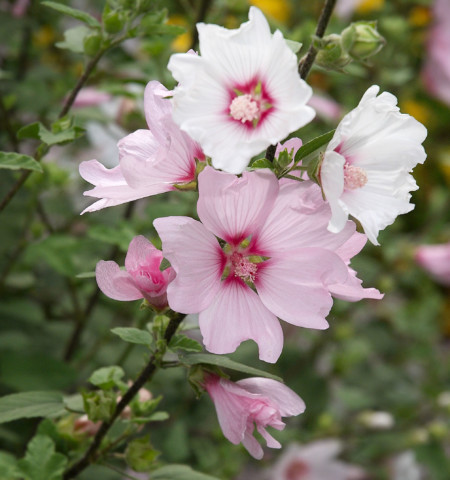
(354, 177)
(249, 104)
(242, 267)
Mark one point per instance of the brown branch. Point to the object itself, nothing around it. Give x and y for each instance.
(91, 454)
(307, 61)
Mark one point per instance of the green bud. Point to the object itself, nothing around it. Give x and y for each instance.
(92, 44)
(113, 22)
(284, 159)
(140, 454)
(99, 405)
(361, 40)
(331, 54)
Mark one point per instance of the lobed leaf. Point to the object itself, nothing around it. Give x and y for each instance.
(16, 161)
(133, 335)
(72, 12)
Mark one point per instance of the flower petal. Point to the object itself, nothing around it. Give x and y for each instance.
(236, 315)
(115, 283)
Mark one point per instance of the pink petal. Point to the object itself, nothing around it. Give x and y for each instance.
(286, 401)
(252, 445)
(157, 109)
(295, 289)
(115, 283)
(139, 252)
(236, 315)
(196, 257)
(233, 208)
(140, 144)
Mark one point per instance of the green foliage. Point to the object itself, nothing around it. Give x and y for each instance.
(107, 377)
(179, 472)
(133, 335)
(62, 132)
(99, 405)
(74, 39)
(140, 454)
(181, 342)
(29, 405)
(41, 462)
(72, 12)
(17, 161)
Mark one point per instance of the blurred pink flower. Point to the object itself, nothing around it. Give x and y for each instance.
(279, 260)
(241, 94)
(142, 278)
(150, 161)
(315, 461)
(90, 96)
(20, 7)
(249, 402)
(436, 71)
(326, 107)
(435, 259)
(85, 426)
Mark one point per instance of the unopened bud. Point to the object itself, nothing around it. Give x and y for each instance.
(284, 159)
(331, 54)
(361, 40)
(113, 22)
(92, 43)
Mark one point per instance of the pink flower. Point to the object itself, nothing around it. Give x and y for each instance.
(142, 278)
(151, 161)
(326, 107)
(85, 426)
(315, 461)
(241, 94)
(276, 258)
(253, 401)
(436, 72)
(435, 259)
(90, 96)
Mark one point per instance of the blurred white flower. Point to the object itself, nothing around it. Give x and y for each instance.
(377, 420)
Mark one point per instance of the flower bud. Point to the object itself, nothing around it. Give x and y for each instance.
(92, 43)
(361, 40)
(113, 22)
(331, 54)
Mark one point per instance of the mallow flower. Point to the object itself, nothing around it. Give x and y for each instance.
(150, 161)
(366, 165)
(261, 251)
(251, 402)
(142, 277)
(435, 259)
(241, 94)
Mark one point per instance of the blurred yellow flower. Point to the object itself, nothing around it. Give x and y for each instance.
(416, 109)
(278, 9)
(367, 6)
(183, 42)
(420, 16)
(44, 37)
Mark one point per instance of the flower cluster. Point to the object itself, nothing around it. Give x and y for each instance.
(265, 247)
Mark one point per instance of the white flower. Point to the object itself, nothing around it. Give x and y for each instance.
(365, 170)
(241, 94)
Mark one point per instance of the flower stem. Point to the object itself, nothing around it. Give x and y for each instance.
(91, 454)
(307, 61)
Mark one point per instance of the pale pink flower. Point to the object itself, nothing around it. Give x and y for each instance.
(315, 461)
(90, 96)
(365, 169)
(436, 71)
(251, 402)
(142, 278)
(344, 8)
(20, 8)
(85, 426)
(326, 107)
(241, 94)
(276, 259)
(143, 395)
(151, 161)
(435, 259)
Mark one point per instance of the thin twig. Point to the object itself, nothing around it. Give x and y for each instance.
(92, 452)
(307, 61)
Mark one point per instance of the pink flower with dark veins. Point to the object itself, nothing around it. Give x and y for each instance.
(142, 277)
(275, 258)
(251, 402)
(150, 161)
(241, 94)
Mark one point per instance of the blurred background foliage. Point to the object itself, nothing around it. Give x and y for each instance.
(377, 356)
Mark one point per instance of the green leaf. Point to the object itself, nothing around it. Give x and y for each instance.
(29, 131)
(107, 377)
(74, 403)
(78, 14)
(59, 136)
(313, 145)
(120, 235)
(133, 335)
(74, 39)
(8, 466)
(30, 404)
(41, 462)
(225, 362)
(262, 163)
(156, 417)
(181, 342)
(86, 275)
(16, 161)
(179, 472)
(293, 45)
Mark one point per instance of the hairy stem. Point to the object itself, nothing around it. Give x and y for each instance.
(91, 454)
(307, 61)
